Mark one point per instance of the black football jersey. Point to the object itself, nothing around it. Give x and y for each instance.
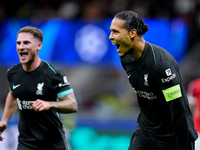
(164, 111)
(39, 130)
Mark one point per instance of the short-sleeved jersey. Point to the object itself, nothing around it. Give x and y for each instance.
(164, 112)
(39, 130)
(194, 99)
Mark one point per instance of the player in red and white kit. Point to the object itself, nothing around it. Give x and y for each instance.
(194, 101)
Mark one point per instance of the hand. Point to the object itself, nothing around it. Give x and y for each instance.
(40, 105)
(3, 126)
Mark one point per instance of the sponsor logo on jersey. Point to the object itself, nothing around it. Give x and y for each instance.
(19, 104)
(146, 80)
(168, 78)
(40, 88)
(65, 79)
(16, 86)
(144, 94)
(65, 82)
(168, 72)
(23, 104)
(61, 84)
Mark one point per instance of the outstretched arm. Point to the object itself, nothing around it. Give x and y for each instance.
(9, 110)
(67, 104)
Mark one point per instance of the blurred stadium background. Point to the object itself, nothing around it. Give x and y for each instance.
(76, 39)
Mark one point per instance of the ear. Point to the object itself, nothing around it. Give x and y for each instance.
(133, 33)
(39, 45)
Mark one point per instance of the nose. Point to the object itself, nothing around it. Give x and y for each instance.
(20, 46)
(111, 36)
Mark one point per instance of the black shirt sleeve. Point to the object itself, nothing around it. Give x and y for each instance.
(60, 82)
(173, 92)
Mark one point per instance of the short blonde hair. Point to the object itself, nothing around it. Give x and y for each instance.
(37, 33)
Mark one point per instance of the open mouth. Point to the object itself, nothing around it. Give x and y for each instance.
(23, 54)
(118, 47)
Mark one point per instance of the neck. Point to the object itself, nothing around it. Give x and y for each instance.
(32, 65)
(137, 49)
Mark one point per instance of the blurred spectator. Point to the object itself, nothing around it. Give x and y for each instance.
(94, 10)
(26, 10)
(46, 10)
(2, 13)
(68, 9)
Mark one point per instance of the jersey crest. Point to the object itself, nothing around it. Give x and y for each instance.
(146, 80)
(40, 88)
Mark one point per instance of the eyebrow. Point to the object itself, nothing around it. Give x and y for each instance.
(23, 41)
(115, 30)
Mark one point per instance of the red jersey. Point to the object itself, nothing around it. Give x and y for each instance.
(194, 100)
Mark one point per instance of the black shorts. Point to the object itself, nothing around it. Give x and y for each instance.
(141, 141)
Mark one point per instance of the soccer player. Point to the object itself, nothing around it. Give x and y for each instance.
(165, 121)
(194, 101)
(35, 87)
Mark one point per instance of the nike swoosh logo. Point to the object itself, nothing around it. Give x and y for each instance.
(16, 86)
